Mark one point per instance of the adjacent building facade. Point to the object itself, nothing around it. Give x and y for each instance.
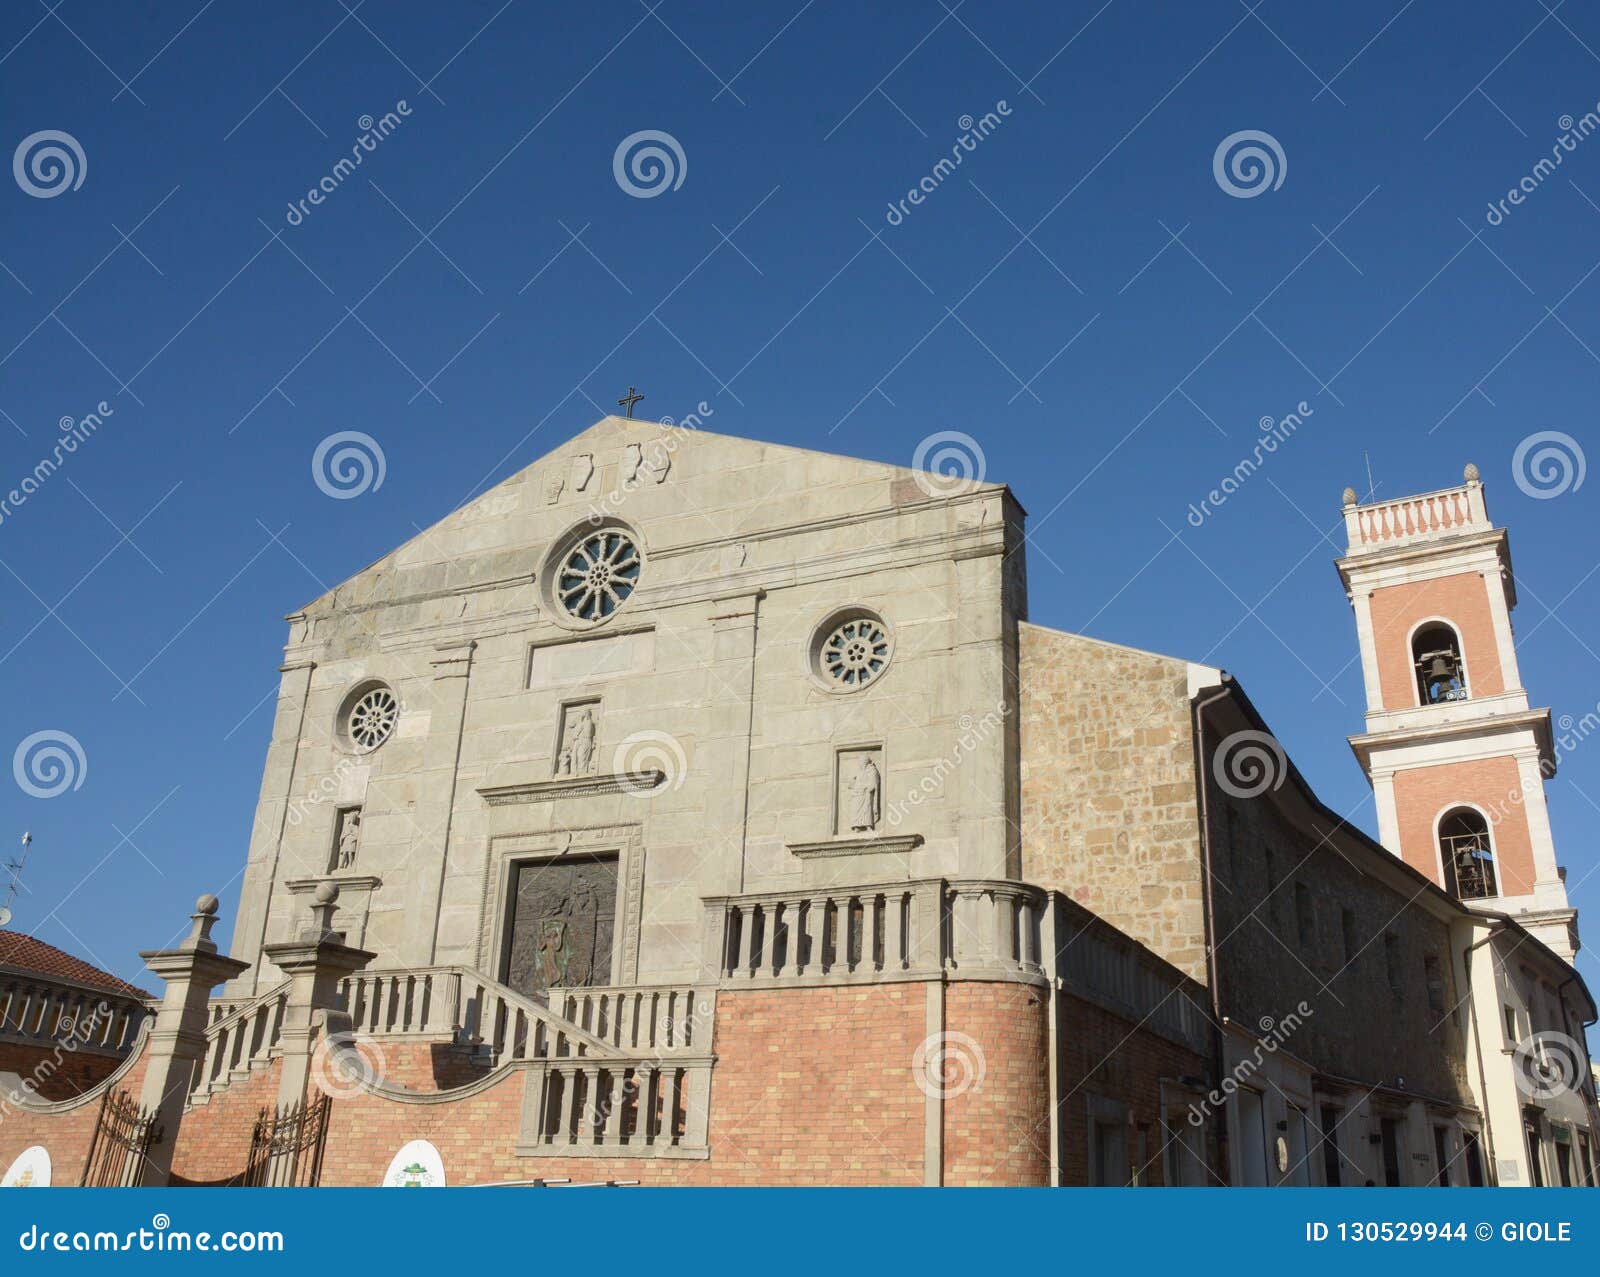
(688, 809)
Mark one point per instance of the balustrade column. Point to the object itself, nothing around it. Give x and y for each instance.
(569, 1103)
(893, 931)
(615, 1092)
(816, 937)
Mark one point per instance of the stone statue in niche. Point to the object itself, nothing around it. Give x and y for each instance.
(865, 789)
(577, 743)
(347, 843)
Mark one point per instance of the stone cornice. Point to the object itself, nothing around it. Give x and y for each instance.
(1490, 729)
(867, 844)
(345, 882)
(545, 791)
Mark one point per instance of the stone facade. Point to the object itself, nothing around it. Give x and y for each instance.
(707, 673)
(1299, 923)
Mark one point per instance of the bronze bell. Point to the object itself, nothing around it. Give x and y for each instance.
(1442, 669)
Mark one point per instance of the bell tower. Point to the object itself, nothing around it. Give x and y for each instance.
(1456, 758)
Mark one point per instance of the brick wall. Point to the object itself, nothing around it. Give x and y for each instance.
(812, 1086)
(1110, 1058)
(57, 1073)
(213, 1143)
(1463, 600)
(997, 1131)
(1493, 784)
(1108, 790)
(66, 1136)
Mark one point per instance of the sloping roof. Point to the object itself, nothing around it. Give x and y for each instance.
(28, 954)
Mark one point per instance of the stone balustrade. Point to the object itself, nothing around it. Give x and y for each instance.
(390, 1003)
(465, 1005)
(1386, 524)
(49, 1013)
(245, 1035)
(645, 1107)
(969, 929)
(659, 1019)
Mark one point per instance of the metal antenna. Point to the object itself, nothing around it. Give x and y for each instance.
(14, 884)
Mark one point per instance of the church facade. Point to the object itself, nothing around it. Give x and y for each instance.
(688, 809)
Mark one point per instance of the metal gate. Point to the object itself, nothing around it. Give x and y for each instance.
(122, 1138)
(286, 1146)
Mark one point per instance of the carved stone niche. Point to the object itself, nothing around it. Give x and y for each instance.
(346, 849)
(865, 847)
(858, 791)
(577, 745)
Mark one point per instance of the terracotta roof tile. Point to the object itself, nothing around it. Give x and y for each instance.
(30, 954)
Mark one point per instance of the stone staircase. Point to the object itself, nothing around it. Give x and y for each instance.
(456, 1004)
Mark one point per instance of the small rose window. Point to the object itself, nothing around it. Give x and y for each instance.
(851, 651)
(597, 576)
(372, 717)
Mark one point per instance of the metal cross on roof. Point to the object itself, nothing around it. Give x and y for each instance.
(628, 400)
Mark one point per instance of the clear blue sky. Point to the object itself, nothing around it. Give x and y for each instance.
(143, 585)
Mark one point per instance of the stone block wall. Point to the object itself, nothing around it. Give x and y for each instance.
(1109, 815)
(1298, 921)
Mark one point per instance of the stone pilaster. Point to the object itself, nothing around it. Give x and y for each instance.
(726, 752)
(260, 889)
(441, 768)
(177, 1042)
(984, 830)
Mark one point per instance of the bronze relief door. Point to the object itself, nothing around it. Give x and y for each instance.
(563, 923)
